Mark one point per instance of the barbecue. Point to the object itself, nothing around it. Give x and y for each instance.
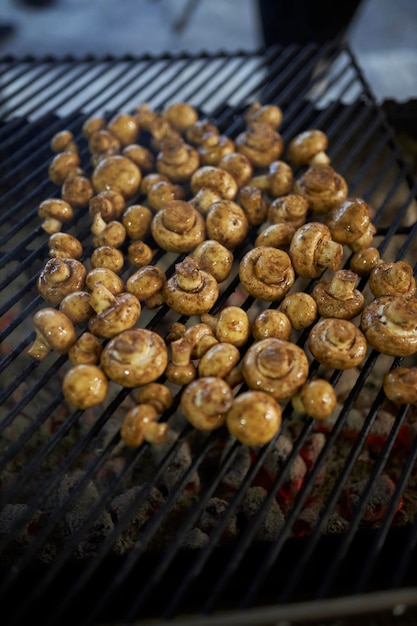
(183, 523)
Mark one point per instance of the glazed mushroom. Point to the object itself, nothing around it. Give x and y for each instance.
(137, 220)
(180, 115)
(213, 147)
(220, 360)
(350, 224)
(278, 181)
(267, 113)
(323, 187)
(271, 323)
(177, 159)
(54, 212)
(157, 395)
(266, 273)
(392, 279)
(208, 176)
(87, 349)
(135, 357)
(260, 143)
(201, 336)
(145, 115)
(204, 199)
(107, 233)
(64, 246)
(63, 164)
(275, 236)
(290, 209)
(106, 277)
(400, 385)
(180, 369)
(107, 257)
(92, 125)
(276, 367)
(308, 147)
(190, 291)
(316, 398)
(338, 297)
(337, 344)
(77, 191)
(162, 192)
(364, 261)
(102, 142)
(85, 386)
(312, 250)
(109, 204)
(252, 202)
(54, 331)
(231, 325)
(239, 166)
(140, 424)
(178, 227)
(254, 418)
(114, 314)
(390, 325)
(214, 258)
(140, 155)
(60, 277)
(205, 401)
(63, 141)
(195, 133)
(300, 308)
(117, 173)
(227, 223)
(125, 127)
(139, 253)
(76, 305)
(146, 284)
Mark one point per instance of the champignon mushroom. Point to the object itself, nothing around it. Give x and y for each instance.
(392, 279)
(177, 159)
(180, 369)
(337, 344)
(77, 191)
(308, 147)
(266, 273)
(190, 291)
(101, 143)
(390, 325)
(117, 173)
(105, 276)
(134, 357)
(201, 336)
(114, 314)
(145, 115)
(205, 401)
(350, 224)
(254, 418)
(178, 227)
(400, 385)
(62, 164)
(109, 204)
(162, 192)
(204, 199)
(253, 204)
(195, 133)
(60, 277)
(143, 157)
(140, 424)
(312, 250)
(267, 113)
(316, 398)
(213, 147)
(91, 125)
(364, 261)
(338, 297)
(227, 223)
(76, 305)
(275, 236)
(63, 141)
(108, 257)
(139, 254)
(211, 177)
(275, 366)
(214, 258)
(260, 143)
(180, 115)
(219, 360)
(64, 246)
(54, 331)
(125, 127)
(290, 209)
(300, 308)
(85, 386)
(271, 323)
(111, 233)
(146, 284)
(278, 181)
(137, 220)
(54, 212)
(324, 188)
(157, 395)
(231, 325)
(238, 165)
(87, 349)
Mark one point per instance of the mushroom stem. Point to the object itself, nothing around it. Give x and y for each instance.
(180, 369)
(188, 275)
(328, 254)
(99, 225)
(342, 285)
(59, 272)
(101, 298)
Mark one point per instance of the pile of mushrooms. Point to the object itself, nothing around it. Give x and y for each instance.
(169, 182)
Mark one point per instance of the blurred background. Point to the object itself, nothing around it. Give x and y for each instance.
(382, 33)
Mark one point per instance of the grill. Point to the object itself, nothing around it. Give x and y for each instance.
(88, 533)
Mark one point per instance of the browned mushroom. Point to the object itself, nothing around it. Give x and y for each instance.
(105, 276)
(180, 369)
(61, 165)
(140, 424)
(226, 222)
(219, 360)
(266, 273)
(337, 344)
(390, 325)
(135, 357)
(63, 141)
(190, 291)
(213, 147)
(145, 115)
(392, 279)
(91, 125)
(180, 115)
(157, 395)
(177, 159)
(267, 113)
(125, 127)
(275, 236)
(253, 204)
(214, 258)
(317, 398)
(312, 250)
(76, 305)
(109, 204)
(143, 157)
(60, 277)
(114, 314)
(290, 209)
(137, 221)
(211, 177)
(239, 166)
(271, 323)
(260, 143)
(324, 188)
(178, 227)
(146, 284)
(111, 233)
(275, 366)
(64, 246)
(54, 331)
(309, 147)
(85, 386)
(338, 297)
(102, 142)
(231, 325)
(350, 224)
(162, 192)
(254, 418)
(77, 191)
(205, 401)
(195, 132)
(117, 173)
(278, 181)
(87, 349)
(107, 257)
(54, 212)
(400, 385)
(201, 336)
(300, 308)
(139, 253)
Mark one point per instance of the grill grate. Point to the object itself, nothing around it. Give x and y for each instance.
(65, 580)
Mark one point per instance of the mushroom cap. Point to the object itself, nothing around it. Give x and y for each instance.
(227, 223)
(337, 344)
(135, 357)
(338, 297)
(59, 277)
(266, 273)
(271, 323)
(267, 113)
(275, 366)
(137, 220)
(61, 165)
(198, 300)
(198, 129)
(64, 245)
(300, 308)
(324, 188)
(125, 127)
(213, 147)
(349, 221)
(260, 143)
(106, 277)
(87, 349)
(289, 209)
(178, 170)
(180, 115)
(392, 279)
(364, 261)
(219, 360)
(110, 204)
(54, 331)
(120, 316)
(117, 173)
(214, 258)
(306, 145)
(85, 386)
(146, 282)
(280, 179)
(312, 249)
(107, 257)
(204, 402)
(140, 155)
(238, 165)
(400, 385)
(254, 418)
(76, 305)
(252, 202)
(54, 211)
(214, 178)
(390, 325)
(178, 227)
(233, 326)
(318, 398)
